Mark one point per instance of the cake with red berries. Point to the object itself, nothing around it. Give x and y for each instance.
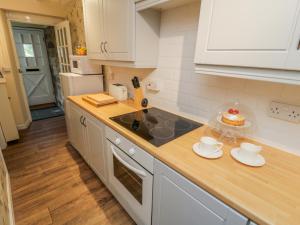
(233, 117)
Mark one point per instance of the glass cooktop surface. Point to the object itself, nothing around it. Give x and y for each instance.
(155, 125)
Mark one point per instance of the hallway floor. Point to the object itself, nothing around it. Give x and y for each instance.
(45, 113)
(51, 184)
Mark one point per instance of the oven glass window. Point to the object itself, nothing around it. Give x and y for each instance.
(132, 182)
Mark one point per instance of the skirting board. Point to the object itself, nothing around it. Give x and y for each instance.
(25, 125)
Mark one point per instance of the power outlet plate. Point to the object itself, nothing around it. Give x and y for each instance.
(283, 111)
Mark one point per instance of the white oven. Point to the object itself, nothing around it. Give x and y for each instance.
(130, 176)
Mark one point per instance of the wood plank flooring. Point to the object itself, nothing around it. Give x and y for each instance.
(51, 184)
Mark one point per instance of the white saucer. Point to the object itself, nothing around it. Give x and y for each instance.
(214, 155)
(259, 161)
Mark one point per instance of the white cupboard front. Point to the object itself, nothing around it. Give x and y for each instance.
(7, 121)
(117, 35)
(94, 35)
(76, 129)
(86, 134)
(109, 28)
(119, 29)
(248, 33)
(178, 201)
(6, 204)
(96, 146)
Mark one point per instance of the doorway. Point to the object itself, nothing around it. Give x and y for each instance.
(39, 65)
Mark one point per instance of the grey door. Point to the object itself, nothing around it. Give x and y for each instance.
(34, 64)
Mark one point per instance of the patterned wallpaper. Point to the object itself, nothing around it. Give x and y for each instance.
(4, 211)
(75, 16)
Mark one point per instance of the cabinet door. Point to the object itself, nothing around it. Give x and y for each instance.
(93, 24)
(77, 134)
(249, 33)
(96, 146)
(119, 29)
(177, 201)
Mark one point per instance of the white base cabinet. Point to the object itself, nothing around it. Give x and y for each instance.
(6, 204)
(178, 201)
(86, 134)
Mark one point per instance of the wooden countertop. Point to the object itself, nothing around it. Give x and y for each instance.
(266, 195)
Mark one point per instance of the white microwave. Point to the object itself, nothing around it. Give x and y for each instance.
(82, 65)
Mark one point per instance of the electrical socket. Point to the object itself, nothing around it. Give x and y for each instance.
(285, 112)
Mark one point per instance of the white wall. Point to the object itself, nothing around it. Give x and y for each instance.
(198, 95)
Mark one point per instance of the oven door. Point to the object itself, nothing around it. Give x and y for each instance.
(131, 184)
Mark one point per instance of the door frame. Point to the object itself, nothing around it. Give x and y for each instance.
(29, 19)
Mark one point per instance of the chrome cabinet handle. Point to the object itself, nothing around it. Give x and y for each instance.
(137, 171)
(81, 120)
(298, 48)
(105, 46)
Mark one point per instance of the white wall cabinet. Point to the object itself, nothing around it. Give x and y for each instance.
(177, 201)
(256, 34)
(118, 35)
(94, 35)
(119, 29)
(86, 134)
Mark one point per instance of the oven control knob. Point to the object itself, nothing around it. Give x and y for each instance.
(131, 151)
(118, 141)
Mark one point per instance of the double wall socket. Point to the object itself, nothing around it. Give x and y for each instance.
(284, 111)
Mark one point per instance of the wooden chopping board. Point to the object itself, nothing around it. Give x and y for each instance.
(100, 99)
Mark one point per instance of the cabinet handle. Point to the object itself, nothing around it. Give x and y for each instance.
(298, 48)
(126, 164)
(81, 120)
(101, 47)
(105, 46)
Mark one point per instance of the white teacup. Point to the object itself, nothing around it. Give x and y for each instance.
(249, 151)
(210, 145)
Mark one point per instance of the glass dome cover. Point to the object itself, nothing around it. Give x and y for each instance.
(231, 121)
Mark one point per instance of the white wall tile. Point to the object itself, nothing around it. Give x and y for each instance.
(198, 95)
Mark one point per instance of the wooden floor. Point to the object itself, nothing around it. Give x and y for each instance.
(51, 184)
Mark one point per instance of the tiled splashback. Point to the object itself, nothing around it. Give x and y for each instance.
(197, 95)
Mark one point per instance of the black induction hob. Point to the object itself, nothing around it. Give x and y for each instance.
(156, 126)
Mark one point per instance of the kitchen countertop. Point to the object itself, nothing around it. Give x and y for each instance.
(266, 195)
